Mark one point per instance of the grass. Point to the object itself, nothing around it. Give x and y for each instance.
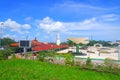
(19, 69)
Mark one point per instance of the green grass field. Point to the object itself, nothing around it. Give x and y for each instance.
(18, 69)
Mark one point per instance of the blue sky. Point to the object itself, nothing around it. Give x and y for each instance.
(99, 19)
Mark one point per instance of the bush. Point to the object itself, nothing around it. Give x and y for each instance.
(41, 56)
(109, 63)
(69, 59)
(13, 56)
(27, 55)
(1, 55)
(4, 54)
(89, 63)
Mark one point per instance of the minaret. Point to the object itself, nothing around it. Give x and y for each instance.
(58, 39)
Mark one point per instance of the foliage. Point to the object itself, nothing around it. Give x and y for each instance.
(104, 43)
(14, 49)
(1, 55)
(7, 41)
(28, 54)
(109, 63)
(71, 43)
(5, 53)
(69, 59)
(83, 46)
(18, 69)
(41, 56)
(89, 63)
(13, 56)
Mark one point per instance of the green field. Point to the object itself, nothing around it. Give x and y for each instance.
(18, 69)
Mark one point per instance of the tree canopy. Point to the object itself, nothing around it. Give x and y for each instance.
(7, 41)
(104, 43)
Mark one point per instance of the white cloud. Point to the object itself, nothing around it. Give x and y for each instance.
(16, 27)
(9, 36)
(110, 17)
(76, 8)
(49, 25)
(96, 25)
(28, 18)
(26, 26)
(6, 36)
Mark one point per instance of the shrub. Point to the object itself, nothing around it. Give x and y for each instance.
(69, 59)
(4, 54)
(89, 63)
(7, 53)
(41, 56)
(1, 55)
(109, 63)
(27, 55)
(13, 56)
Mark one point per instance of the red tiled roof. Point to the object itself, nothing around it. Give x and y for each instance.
(40, 46)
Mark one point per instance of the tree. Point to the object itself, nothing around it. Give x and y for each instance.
(104, 43)
(4, 54)
(71, 43)
(7, 41)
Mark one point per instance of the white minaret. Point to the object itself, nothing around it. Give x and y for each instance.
(58, 39)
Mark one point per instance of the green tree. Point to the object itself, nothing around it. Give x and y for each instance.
(104, 43)
(7, 41)
(71, 43)
(5, 53)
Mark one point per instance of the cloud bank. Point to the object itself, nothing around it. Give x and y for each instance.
(99, 26)
(13, 26)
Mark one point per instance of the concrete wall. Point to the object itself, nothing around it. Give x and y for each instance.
(119, 52)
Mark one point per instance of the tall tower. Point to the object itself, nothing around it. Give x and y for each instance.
(58, 39)
(1, 31)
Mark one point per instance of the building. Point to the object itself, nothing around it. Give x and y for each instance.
(98, 45)
(58, 39)
(41, 46)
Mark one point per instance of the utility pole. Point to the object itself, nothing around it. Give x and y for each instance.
(1, 30)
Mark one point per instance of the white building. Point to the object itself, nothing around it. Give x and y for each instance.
(58, 39)
(98, 45)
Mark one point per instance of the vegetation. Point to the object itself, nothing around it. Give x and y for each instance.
(71, 43)
(35, 70)
(69, 59)
(91, 43)
(104, 43)
(89, 63)
(41, 56)
(5, 53)
(7, 41)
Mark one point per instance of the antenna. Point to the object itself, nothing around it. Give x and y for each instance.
(1, 30)
(91, 37)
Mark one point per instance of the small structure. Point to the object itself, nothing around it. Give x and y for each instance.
(98, 45)
(25, 44)
(79, 41)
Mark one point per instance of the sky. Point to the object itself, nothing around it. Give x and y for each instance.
(44, 19)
